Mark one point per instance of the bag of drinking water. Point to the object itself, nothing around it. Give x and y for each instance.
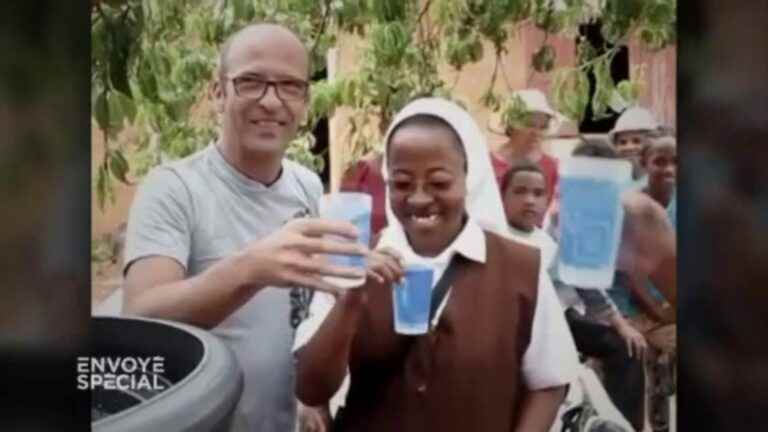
(591, 218)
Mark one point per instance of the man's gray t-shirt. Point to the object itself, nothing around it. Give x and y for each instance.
(197, 211)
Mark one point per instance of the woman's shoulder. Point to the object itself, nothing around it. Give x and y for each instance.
(516, 265)
(506, 246)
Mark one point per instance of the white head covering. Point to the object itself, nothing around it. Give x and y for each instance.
(483, 201)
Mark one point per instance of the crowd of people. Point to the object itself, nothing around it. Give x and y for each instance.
(630, 327)
(229, 239)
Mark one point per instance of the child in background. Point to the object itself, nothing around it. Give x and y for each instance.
(524, 192)
(527, 142)
(619, 346)
(659, 159)
(647, 251)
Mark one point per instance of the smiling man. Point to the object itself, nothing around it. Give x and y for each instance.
(220, 240)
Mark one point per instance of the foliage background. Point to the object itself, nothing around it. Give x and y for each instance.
(152, 63)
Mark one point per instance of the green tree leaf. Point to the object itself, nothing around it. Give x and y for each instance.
(101, 111)
(116, 113)
(152, 61)
(544, 59)
(119, 55)
(118, 165)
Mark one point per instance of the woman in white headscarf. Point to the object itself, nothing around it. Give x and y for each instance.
(498, 353)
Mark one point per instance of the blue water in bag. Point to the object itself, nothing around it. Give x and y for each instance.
(591, 218)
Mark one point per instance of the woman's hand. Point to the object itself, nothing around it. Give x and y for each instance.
(385, 265)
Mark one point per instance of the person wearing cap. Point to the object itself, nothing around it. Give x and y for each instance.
(525, 143)
(632, 132)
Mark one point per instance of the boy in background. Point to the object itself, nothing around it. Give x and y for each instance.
(659, 159)
(598, 328)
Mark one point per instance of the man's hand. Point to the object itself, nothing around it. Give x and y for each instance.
(636, 343)
(292, 256)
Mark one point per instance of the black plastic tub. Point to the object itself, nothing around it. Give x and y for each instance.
(201, 380)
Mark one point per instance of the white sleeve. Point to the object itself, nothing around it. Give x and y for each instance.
(551, 358)
(319, 308)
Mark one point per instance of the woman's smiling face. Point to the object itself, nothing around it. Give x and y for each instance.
(427, 185)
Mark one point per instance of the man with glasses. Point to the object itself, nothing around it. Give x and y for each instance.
(219, 239)
(525, 143)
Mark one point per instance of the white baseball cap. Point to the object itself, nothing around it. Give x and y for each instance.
(535, 101)
(634, 119)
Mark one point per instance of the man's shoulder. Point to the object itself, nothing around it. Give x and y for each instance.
(639, 205)
(302, 175)
(190, 163)
(174, 175)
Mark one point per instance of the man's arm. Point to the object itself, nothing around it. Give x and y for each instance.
(648, 304)
(649, 244)
(664, 278)
(156, 286)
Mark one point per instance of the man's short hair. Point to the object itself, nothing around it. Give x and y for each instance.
(517, 167)
(227, 45)
(594, 147)
(654, 143)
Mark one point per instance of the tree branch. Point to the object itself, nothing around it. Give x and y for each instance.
(316, 42)
(504, 75)
(100, 10)
(495, 70)
(424, 10)
(456, 80)
(533, 70)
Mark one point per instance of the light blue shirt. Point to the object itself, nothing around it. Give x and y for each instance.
(199, 210)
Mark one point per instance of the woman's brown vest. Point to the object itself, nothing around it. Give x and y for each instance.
(465, 375)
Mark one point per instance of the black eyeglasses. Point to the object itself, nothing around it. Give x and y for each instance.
(253, 87)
